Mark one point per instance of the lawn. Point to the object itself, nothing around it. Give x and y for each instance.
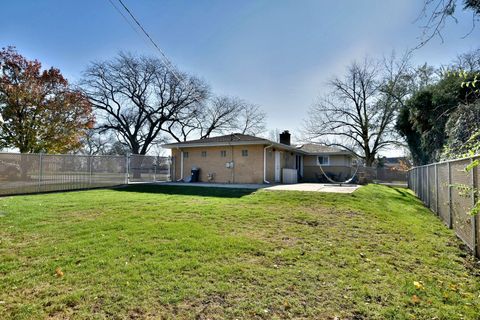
(206, 253)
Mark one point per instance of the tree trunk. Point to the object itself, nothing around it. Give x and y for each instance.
(369, 160)
(136, 162)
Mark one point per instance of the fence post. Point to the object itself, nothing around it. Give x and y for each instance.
(450, 218)
(427, 196)
(155, 171)
(40, 171)
(127, 165)
(474, 217)
(90, 164)
(436, 190)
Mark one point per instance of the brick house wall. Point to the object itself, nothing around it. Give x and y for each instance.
(246, 169)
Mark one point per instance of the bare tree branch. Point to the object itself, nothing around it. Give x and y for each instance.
(138, 97)
(360, 112)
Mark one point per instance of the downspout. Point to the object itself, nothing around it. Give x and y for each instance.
(265, 164)
(181, 164)
(232, 161)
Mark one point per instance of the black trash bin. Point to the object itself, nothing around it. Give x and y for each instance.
(195, 175)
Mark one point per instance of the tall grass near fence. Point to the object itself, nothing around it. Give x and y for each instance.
(449, 190)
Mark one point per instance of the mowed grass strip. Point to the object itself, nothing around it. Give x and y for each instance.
(186, 252)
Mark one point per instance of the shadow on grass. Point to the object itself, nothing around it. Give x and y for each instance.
(404, 195)
(187, 190)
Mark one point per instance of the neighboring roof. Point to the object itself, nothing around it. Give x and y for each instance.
(394, 159)
(313, 148)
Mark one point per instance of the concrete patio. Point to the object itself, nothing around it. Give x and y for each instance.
(315, 187)
(309, 187)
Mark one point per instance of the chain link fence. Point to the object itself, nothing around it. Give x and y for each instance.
(34, 173)
(382, 175)
(149, 168)
(449, 190)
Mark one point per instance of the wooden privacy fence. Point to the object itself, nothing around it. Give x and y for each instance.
(441, 187)
(33, 173)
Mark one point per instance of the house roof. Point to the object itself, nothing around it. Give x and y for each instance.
(313, 148)
(227, 140)
(245, 139)
(234, 137)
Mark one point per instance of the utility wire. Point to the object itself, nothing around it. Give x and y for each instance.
(165, 59)
(127, 20)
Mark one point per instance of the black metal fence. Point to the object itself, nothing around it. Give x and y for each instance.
(34, 173)
(450, 191)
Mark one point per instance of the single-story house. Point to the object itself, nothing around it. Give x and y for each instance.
(242, 158)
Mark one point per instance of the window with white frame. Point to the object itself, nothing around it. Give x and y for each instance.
(204, 154)
(185, 154)
(244, 153)
(323, 160)
(223, 153)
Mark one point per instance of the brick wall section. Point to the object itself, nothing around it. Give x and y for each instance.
(246, 169)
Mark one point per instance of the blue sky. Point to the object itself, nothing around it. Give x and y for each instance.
(277, 53)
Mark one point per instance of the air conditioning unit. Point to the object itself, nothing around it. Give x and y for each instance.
(289, 176)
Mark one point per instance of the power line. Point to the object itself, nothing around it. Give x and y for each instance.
(126, 19)
(165, 59)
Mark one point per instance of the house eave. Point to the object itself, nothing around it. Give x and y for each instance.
(342, 153)
(180, 145)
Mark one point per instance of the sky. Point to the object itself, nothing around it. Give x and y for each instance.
(278, 54)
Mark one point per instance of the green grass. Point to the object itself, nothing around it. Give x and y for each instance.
(206, 253)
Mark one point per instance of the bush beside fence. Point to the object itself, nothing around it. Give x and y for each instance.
(441, 188)
(34, 173)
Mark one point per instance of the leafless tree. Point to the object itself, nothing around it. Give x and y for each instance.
(94, 143)
(220, 114)
(137, 97)
(359, 114)
(435, 14)
(469, 61)
(251, 119)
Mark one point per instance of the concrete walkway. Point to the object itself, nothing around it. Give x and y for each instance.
(311, 187)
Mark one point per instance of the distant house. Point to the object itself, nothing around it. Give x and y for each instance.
(396, 163)
(241, 158)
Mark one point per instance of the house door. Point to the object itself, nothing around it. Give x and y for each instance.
(299, 165)
(277, 166)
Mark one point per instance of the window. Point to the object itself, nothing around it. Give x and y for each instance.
(244, 153)
(204, 154)
(223, 153)
(323, 160)
(185, 154)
